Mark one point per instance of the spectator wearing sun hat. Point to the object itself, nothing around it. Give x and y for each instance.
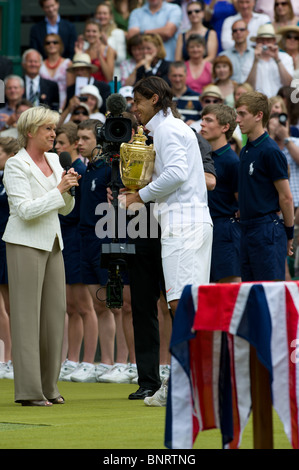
(82, 69)
(289, 43)
(94, 101)
(271, 68)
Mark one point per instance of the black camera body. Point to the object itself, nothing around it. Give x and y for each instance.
(116, 130)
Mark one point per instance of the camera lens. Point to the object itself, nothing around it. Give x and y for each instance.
(118, 130)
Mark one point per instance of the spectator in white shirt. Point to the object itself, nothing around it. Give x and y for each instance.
(253, 20)
(271, 68)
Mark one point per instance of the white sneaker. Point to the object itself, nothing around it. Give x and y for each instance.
(85, 372)
(2, 369)
(8, 371)
(164, 372)
(67, 368)
(123, 375)
(101, 369)
(160, 397)
(111, 375)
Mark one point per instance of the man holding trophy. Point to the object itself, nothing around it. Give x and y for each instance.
(179, 190)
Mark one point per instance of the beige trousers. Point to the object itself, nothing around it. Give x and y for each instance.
(36, 282)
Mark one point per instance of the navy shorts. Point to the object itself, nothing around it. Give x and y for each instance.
(263, 249)
(91, 270)
(225, 259)
(71, 255)
(3, 262)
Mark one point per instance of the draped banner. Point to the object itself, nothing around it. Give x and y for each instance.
(209, 385)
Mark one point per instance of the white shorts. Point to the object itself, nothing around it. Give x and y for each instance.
(186, 258)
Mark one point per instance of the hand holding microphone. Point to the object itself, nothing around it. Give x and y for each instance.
(70, 179)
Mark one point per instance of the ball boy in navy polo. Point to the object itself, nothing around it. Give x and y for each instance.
(265, 199)
(217, 127)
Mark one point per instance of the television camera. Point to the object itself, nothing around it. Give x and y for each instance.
(116, 130)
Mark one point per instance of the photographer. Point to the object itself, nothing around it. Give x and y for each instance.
(271, 68)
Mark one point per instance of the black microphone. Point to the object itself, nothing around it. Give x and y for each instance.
(116, 104)
(66, 163)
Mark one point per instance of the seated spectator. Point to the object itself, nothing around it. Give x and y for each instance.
(154, 58)
(222, 73)
(246, 12)
(284, 14)
(271, 68)
(216, 12)
(157, 17)
(187, 100)
(101, 54)
(199, 70)
(94, 101)
(38, 90)
(289, 43)
(12, 130)
(241, 88)
(135, 59)
(211, 94)
(111, 35)
(53, 23)
(54, 66)
(195, 12)
(241, 54)
(121, 10)
(82, 70)
(14, 90)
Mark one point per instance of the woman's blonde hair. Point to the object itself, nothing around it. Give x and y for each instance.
(158, 43)
(32, 119)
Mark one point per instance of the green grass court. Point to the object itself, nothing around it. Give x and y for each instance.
(98, 416)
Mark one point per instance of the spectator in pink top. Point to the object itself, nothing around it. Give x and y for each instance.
(199, 70)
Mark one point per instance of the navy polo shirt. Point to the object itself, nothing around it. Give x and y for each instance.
(188, 105)
(93, 192)
(261, 164)
(222, 201)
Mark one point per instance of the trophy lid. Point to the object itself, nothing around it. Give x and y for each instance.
(139, 138)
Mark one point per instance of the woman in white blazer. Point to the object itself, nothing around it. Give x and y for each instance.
(37, 189)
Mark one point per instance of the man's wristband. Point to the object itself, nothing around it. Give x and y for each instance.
(289, 232)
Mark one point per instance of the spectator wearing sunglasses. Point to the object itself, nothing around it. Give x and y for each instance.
(284, 14)
(267, 6)
(290, 43)
(195, 12)
(246, 12)
(211, 94)
(241, 54)
(55, 65)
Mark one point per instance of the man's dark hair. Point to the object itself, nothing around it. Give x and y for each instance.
(150, 86)
(90, 124)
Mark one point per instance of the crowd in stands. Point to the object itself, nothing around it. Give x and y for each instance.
(209, 52)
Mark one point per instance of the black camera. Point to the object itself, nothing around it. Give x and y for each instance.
(116, 130)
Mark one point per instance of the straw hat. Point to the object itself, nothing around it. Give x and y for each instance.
(94, 91)
(285, 30)
(82, 60)
(211, 90)
(265, 31)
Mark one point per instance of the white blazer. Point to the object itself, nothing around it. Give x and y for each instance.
(34, 202)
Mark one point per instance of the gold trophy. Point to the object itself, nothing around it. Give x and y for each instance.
(137, 162)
